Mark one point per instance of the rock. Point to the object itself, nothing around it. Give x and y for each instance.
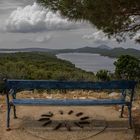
(134, 108)
(82, 97)
(90, 97)
(120, 110)
(113, 94)
(49, 96)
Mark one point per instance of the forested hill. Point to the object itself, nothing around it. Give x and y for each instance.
(102, 50)
(39, 65)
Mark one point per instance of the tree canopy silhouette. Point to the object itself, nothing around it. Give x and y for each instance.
(127, 67)
(116, 18)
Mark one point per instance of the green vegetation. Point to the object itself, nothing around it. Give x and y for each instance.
(127, 67)
(39, 65)
(35, 65)
(103, 75)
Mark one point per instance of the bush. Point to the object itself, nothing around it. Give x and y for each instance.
(127, 67)
(103, 75)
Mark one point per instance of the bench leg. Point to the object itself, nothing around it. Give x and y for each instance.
(14, 110)
(8, 117)
(122, 110)
(14, 107)
(130, 116)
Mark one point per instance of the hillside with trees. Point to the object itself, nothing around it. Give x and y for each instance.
(39, 65)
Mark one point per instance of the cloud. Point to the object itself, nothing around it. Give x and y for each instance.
(34, 18)
(7, 5)
(97, 37)
(43, 39)
(37, 39)
(137, 35)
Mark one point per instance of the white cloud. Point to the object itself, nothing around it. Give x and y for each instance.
(34, 18)
(43, 39)
(37, 39)
(7, 5)
(137, 36)
(96, 37)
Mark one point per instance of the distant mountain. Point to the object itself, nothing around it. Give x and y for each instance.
(103, 50)
(104, 47)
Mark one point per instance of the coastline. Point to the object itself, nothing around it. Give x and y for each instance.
(88, 61)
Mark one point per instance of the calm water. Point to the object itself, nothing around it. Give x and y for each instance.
(89, 62)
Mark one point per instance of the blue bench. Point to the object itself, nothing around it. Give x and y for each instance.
(13, 86)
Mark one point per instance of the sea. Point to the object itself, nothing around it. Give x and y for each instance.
(89, 62)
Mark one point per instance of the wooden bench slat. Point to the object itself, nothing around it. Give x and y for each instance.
(45, 84)
(68, 102)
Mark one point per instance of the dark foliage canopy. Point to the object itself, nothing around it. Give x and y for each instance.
(103, 75)
(127, 67)
(117, 18)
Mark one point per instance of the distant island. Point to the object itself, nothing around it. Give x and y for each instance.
(103, 50)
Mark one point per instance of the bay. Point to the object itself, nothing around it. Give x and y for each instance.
(89, 62)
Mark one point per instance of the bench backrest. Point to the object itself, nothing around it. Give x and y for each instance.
(19, 85)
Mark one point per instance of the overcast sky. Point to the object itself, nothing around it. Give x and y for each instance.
(24, 24)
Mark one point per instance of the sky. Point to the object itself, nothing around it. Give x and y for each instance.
(25, 24)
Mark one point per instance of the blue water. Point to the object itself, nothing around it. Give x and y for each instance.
(89, 62)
